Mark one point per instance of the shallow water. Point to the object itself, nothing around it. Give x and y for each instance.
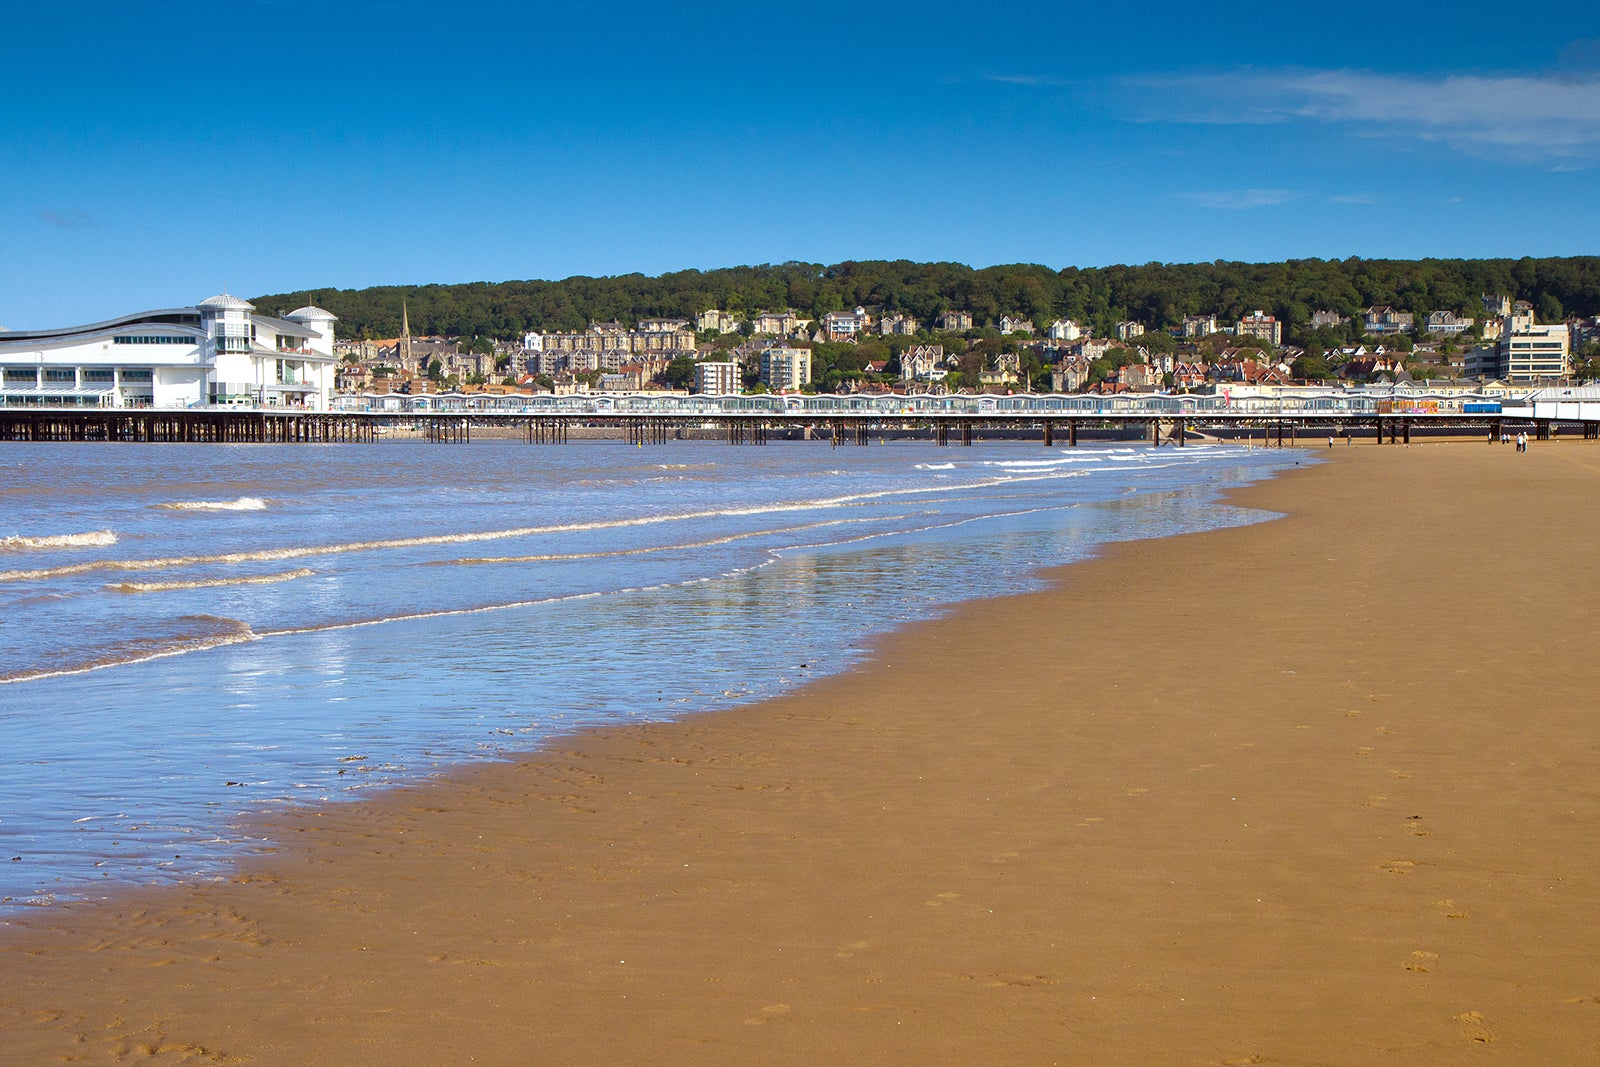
(193, 632)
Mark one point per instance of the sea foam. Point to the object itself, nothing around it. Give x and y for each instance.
(92, 539)
(244, 503)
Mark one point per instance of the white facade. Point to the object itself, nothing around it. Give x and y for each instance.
(1531, 352)
(785, 368)
(718, 378)
(216, 352)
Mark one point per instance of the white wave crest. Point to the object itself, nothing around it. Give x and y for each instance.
(92, 539)
(210, 583)
(195, 634)
(244, 503)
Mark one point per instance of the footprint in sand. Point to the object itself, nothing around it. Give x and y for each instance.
(1375, 800)
(1474, 1027)
(941, 899)
(1421, 961)
(851, 948)
(1450, 909)
(1138, 791)
(1397, 866)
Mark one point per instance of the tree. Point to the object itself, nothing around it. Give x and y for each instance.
(680, 373)
(1310, 367)
(1549, 309)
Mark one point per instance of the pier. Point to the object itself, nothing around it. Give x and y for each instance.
(650, 419)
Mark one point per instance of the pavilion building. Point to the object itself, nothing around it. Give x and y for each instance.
(216, 352)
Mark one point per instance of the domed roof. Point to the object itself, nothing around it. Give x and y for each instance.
(227, 302)
(311, 311)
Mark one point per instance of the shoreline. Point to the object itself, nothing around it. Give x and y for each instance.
(1193, 803)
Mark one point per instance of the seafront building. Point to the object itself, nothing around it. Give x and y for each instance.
(718, 377)
(784, 368)
(1525, 352)
(215, 352)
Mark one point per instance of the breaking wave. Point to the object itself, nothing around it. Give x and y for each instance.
(244, 503)
(191, 633)
(93, 539)
(210, 583)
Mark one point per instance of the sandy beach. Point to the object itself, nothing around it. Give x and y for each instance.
(1318, 790)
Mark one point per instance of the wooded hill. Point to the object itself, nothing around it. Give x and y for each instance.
(1157, 295)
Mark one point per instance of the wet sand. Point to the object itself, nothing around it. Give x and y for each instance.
(1322, 790)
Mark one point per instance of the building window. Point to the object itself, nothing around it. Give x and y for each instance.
(56, 374)
(151, 339)
(99, 374)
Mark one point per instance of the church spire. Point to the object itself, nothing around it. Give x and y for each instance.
(405, 335)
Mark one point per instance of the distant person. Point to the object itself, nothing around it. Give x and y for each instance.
(1330, 440)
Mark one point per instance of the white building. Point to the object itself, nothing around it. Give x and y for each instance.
(1528, 352)
(717, 377)
(217, 352)
(785, 369)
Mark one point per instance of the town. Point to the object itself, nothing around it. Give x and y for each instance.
(773, 351)
(226, 352)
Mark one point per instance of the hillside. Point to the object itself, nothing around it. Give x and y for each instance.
(1155, 294)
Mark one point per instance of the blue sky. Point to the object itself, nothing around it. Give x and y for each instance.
(159, 152)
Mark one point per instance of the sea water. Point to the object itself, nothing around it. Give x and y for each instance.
(193, 633)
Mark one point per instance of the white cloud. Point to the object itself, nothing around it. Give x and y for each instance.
(1548, 117)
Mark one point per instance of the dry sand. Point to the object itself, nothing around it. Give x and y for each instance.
(1323, 790)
